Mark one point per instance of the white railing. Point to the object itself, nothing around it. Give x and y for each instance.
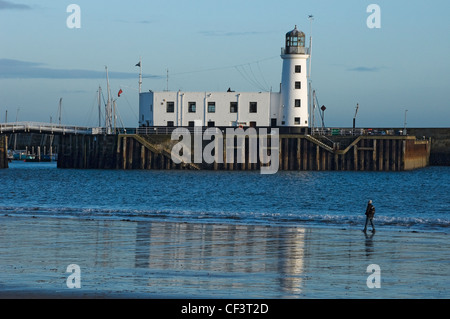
(42, 128)
(294, 50)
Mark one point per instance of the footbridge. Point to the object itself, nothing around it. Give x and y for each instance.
(44, 128)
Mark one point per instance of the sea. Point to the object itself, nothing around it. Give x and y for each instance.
(415, 201)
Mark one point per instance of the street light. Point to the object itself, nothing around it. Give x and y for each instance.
(404, 128)
(354, 118)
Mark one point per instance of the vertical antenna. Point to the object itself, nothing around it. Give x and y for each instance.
(140, 74)
(311, 18)
(167, 81)
(311, 97)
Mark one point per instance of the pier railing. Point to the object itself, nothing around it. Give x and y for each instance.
(51, 128)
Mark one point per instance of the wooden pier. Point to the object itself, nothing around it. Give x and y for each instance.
(295, 152)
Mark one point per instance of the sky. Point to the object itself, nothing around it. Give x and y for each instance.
(397, 73)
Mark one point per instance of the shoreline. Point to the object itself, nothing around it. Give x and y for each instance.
(178, 260)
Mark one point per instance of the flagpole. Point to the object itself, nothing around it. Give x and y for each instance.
(140, 74)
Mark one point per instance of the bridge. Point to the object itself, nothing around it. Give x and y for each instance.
(44, 128)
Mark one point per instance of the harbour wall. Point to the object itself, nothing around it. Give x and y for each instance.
(439, 153)
(440, 141)
(294, 152)
(3, 151)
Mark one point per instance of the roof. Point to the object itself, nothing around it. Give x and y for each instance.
(295, 33)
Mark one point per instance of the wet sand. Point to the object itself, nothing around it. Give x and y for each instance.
(129, 259)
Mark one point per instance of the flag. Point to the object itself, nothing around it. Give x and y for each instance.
(120, 92)
(139, 64)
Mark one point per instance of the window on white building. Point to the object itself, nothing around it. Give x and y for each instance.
(297, 121)
(170, 107)
(253, 107)
(233, 107)
(298, 103)
(191, 107)
(211, 107)
(298, 69)
(298, 85)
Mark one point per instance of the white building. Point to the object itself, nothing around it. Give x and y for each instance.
(287, 108)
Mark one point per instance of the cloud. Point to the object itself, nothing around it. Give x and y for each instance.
(365, 69)
(7, 5)
(16, 69)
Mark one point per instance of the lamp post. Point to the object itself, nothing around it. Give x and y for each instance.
(354, 118)
(404, 127)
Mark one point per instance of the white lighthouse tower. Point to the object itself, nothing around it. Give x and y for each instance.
(294, 85)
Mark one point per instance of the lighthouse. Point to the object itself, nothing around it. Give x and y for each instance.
(294, 83)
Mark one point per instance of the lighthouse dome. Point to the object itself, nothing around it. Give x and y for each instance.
(295, 39)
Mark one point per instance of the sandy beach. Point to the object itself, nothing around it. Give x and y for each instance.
(130, 259)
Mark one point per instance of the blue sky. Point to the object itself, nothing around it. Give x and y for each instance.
(213, 45)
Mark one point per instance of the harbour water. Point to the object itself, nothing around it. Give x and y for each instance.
(414, 200)
(222, 234)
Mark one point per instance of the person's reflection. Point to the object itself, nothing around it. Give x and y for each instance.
(369, 243)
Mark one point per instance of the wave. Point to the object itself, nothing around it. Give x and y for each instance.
(264, 218)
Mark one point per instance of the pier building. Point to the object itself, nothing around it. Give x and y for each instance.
(287, 108)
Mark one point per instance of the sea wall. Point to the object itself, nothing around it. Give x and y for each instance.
(440, 141)
(294, 152)
(3, 151)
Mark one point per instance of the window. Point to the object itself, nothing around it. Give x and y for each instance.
(298, 69)
(252, 124)
(297, 121)
(191, 107)
(298, 85)
(170, 123)
(211, 123)
(211, 107)
(298, 103)
(191, 123)
(253, 107)
(273, 122)
(233, 107)
(170, 107)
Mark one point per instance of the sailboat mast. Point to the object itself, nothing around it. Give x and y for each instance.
(108, 106)
(60, 110)
(99, 106)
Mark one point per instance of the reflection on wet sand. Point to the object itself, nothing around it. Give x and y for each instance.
(181, 260)
(212, 256)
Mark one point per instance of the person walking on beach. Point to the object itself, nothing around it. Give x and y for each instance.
(370, 212)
